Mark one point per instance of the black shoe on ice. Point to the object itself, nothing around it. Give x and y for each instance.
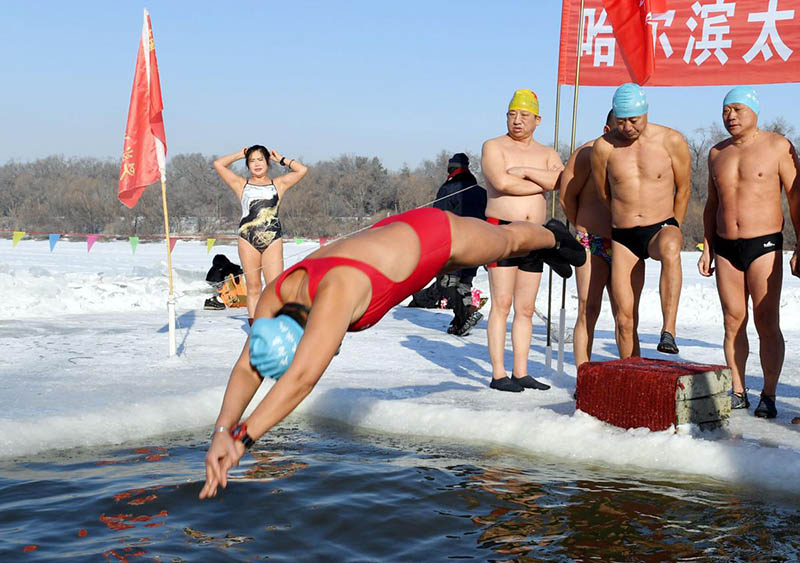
(506, 384)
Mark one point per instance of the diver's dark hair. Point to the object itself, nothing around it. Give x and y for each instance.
(251, 150)
(611, 119)
(295, 311)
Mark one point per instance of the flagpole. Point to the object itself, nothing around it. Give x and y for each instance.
(563, 312)
(548, 351)
(171, 297)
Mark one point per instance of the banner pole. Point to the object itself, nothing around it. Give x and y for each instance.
(548, 350)
(563, 312)
(171, 297)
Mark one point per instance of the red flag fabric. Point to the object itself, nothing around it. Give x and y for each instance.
(695, 43)
(629, 21)
(145, 148)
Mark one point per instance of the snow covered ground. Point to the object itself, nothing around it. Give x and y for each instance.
(83, 361)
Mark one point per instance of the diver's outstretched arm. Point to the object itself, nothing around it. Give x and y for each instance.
(330, 316)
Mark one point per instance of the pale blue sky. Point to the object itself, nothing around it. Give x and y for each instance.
(314, 79)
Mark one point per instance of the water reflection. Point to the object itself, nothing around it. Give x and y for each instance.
(538, 518)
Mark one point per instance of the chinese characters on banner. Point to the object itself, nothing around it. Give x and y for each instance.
(696, 43)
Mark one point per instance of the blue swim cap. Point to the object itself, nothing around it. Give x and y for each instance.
(273, 343)
(743, 95)
(629, 101)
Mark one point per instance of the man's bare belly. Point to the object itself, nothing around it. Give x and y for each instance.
(517, 208)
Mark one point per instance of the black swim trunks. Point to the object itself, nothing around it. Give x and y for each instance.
(531, 263)
(636, 239)
(741, 252)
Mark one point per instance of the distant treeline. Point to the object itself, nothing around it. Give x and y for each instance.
(338, 196)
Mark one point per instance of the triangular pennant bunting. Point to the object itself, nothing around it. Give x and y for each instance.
(17, 237)
(90, 240)
(209, 243)
(323, 241)
(53, 240)
(134, 243)
(298, 240)
(172, 241)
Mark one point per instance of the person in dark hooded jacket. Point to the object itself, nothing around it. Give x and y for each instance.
(460, 194)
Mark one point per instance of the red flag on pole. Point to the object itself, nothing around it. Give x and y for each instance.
(633, 33)
(145, 148)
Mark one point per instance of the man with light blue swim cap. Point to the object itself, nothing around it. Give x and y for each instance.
(643, 173)
(743, 239)
(629, 101)
(744, 95)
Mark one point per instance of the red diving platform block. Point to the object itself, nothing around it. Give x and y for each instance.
(654, 394)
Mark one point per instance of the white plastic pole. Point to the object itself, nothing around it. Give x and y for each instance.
(171, 315)
(562, 319)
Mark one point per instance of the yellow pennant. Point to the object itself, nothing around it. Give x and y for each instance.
(17, 237)
(209, 243)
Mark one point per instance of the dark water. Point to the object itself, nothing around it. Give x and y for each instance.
(313, 492)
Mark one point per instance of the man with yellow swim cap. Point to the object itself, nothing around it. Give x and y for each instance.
(743, 230)
(524, 100)
(643, 172)
(518, 171)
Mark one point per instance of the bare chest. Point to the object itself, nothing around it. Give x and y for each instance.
(639, 162)
(534, 157)
(734, 168)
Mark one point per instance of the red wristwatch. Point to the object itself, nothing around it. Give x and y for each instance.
(240, 433)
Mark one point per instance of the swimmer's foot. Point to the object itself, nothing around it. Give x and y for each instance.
(740, 401)
(506, 384)
(667, 344)
(567, 249)
(766, 407)
(530, 383)
(559, 268)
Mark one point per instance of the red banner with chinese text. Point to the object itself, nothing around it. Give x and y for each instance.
(696, 43)
(145, 147)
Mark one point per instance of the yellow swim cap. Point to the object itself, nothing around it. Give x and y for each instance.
(524, 100)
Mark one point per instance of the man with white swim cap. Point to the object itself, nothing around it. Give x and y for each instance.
(518, 171)
(643, 172)
(743, 229)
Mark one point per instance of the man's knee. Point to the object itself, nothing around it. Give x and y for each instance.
(666, 245)
(501, 304)
(591, 309)
(670, 249)
(625, 320)
(525, 310)
(767, 322)
(734, 321)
